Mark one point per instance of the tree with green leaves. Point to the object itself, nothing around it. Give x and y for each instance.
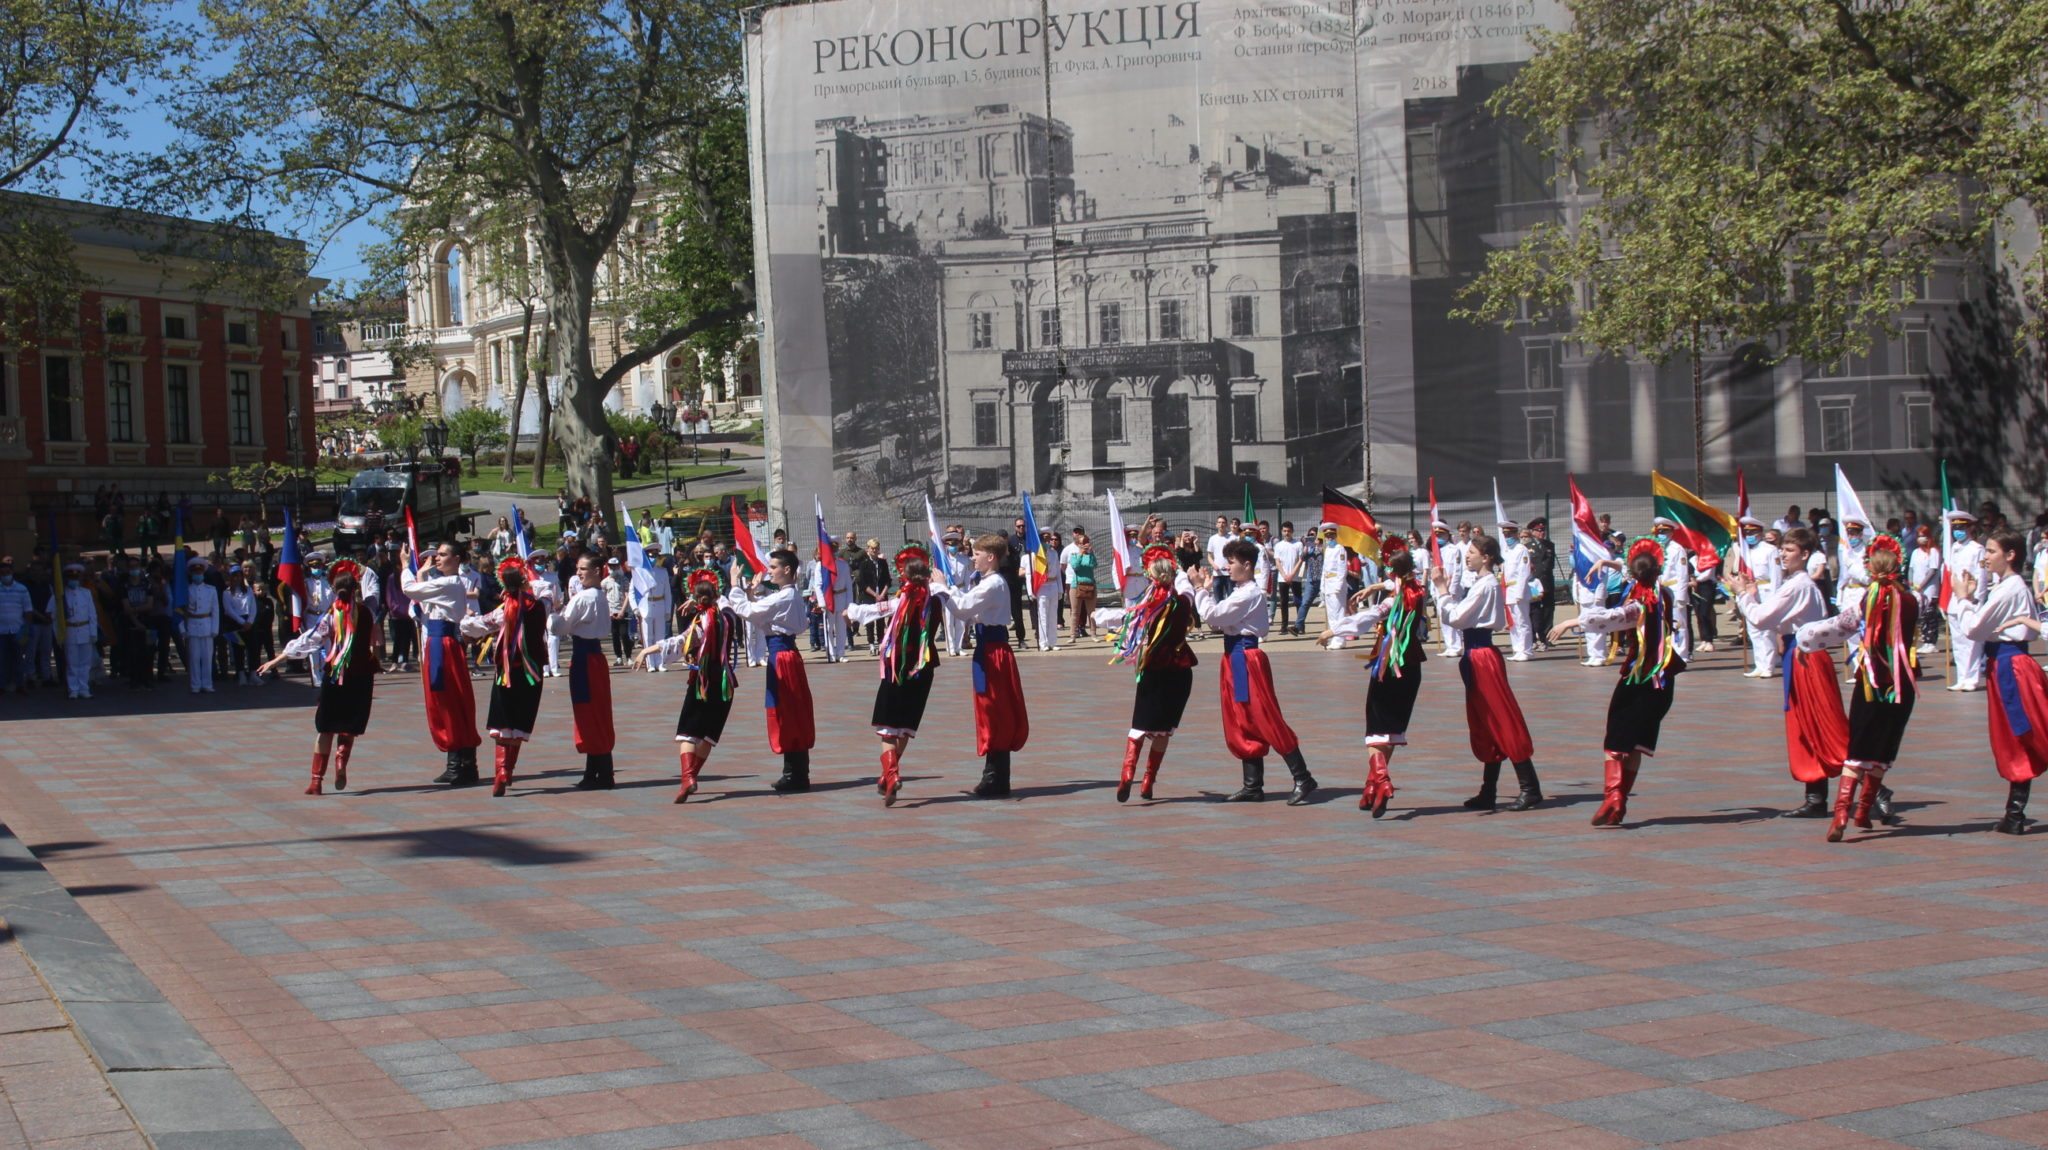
(261, 480)
(583, 120)
(401, 435)
(1777, 171)
(473, 430)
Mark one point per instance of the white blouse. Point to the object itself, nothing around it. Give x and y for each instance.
(439, 597)
(1241, 612)
(1997, 616)
(984, 602)
(1792, 604)
(1481, 609)
(781, 610)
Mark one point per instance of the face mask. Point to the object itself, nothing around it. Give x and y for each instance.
(71, 583)
(1663, 536)
(1960, 535)
(6, 578)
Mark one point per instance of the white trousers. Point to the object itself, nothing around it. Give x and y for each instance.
(554, 653)
(757, 644)
(653, 629)
(1763, 649)
(79, 661)
(1521, 634)
(834, 629)
(956, 633)
(1968, 655)
(199, 661)
(1048, 598)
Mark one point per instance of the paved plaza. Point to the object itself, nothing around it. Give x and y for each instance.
(405, 966)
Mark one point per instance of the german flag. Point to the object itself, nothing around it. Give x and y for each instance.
(1356, 528)
(1702, 527)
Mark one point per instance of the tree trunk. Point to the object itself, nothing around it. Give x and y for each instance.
(586, 436)
(545, 425)
(518, 387)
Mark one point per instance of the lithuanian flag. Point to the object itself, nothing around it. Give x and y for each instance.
(1702, 527)
(1356, 527)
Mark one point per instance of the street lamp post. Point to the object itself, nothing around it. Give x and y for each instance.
(291, 430)
(435, 433)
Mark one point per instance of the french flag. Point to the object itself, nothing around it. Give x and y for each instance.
(1588, 548)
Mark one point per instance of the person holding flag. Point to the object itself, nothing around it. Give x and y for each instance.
(909, 659)
(1001, 723)
(1880, 622)
(1252, 722)
(650, 589)
(1515, 577)
(1965, 566)
(1151, 637)
(1042, 584)
(1395, 663)
(586, 619)
(344, 640)
(519, 625)
(774, 602)
(441, 597)
(547, 587)
(2005, 619)
(710, 646)
(754, 561)
(1816, 730)
(1647, 621)
(1592, 558)
(1686, 525)
(1493, 717)
(1757, 558)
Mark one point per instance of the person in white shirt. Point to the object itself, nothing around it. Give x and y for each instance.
(1816, 727)
(1493, 716)
(1924, 574)
(651, 586)
(1761, 559)
(1677, 578)
(1965, 558)
(1336, 572)
(547, 588)
(1290, 560)
(1045, 601)
(443, 598)
(1002, 724)
(238, 612)
(1792, 519)
(1217, 541)
(78, 621)
(1515, 576)
(618, 596)
(833, 623)
(201, 613)
(344, 641)
(1451, 552)
(774, 601)
(1252, 722)
(520, 624)
(2005, 618)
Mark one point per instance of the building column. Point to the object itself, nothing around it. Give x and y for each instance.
(1140, 456)
(1027, 462)
(1577, 372)
(1719, 435)
(1205, 433)
(1642, 416)
(1788, 404)
(1081, 450)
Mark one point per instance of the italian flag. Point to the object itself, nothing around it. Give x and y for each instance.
(1702, 527)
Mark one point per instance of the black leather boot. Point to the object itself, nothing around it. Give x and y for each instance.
(995, 776)
(1489, 782)
(1882, 804)
(1254, 789)
(592, 774)
(1816, 804)
(2015, 820)
(605, 780)
(461, 770)
(451, 773)
(1531, 786)
(796, 772)
(1304, 783)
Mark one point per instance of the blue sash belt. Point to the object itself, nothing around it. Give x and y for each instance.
(1475, 637)
(579, 670)
(1788, 651)
(437, 630)
(1234, 647)
(987, 637)
(776, 644)
(2002, 653)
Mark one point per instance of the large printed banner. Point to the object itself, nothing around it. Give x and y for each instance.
(1169, 250)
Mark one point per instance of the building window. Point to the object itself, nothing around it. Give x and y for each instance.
(1920, 422)
(1109, 323)
(1049, 327)
(1244, 316)
(241, 410)
(319, 335)
(1539, 375)
(238, 333)
(1244, 419)
(1542, 432)
(1304, 404)
(1113, 419)
(1837, 423)
(287, 335)
(1170, 319)
(1056, 422)
(176, 327)
(341, 390)
(178, 403)
(1919, 359)
(985, 423)
(981, 327)
(58, 400)
(1354, 395)
(120, 401)
(117, 319)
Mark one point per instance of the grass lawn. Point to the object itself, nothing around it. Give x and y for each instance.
(522, 481)
(713, 511)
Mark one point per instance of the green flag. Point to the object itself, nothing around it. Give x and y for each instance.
(1251, 516)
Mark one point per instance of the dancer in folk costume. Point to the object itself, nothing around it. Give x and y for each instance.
(1492, 715)
(1402, 618)
(1647, 622)
(776, 603)
(587, 621)
(1152, 637)
(1001, 723)
(518, 629)
(1252, 722)
(1816, 730)
(710, 646)
(909, 657)
(1881, 620)
(344, 642)
(442, 595)
(2003, 619)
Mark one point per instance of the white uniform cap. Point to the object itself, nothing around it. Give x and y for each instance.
(1958, 515)
(1508, 525)
(1661, 521)
(1750, 521)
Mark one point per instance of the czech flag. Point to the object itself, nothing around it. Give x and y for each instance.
(1588, 548)
(291, 568)
(1035, 545)
(1356, 528)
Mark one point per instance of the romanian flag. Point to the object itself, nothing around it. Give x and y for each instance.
(1356, 528)
(1701, 525)
(1034, 546)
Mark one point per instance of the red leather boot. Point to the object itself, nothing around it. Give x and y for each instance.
(1123, 781)
(1379, 783)
(688, 759)
(344, 745)
(508, 754)
(892, 775)
(1615, 795)
(1873, 778)
(319, 772)
(1845, 800)
(1152, 762)
(1629, 767)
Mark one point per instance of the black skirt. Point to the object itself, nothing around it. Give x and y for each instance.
(1389, 702)
(514, 708)
(1635, 714)
(344, 707)
(1875, 726)
(703, 720)
(1162, 698)
(901, 705)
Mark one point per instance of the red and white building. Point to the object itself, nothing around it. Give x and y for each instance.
(160, 382)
